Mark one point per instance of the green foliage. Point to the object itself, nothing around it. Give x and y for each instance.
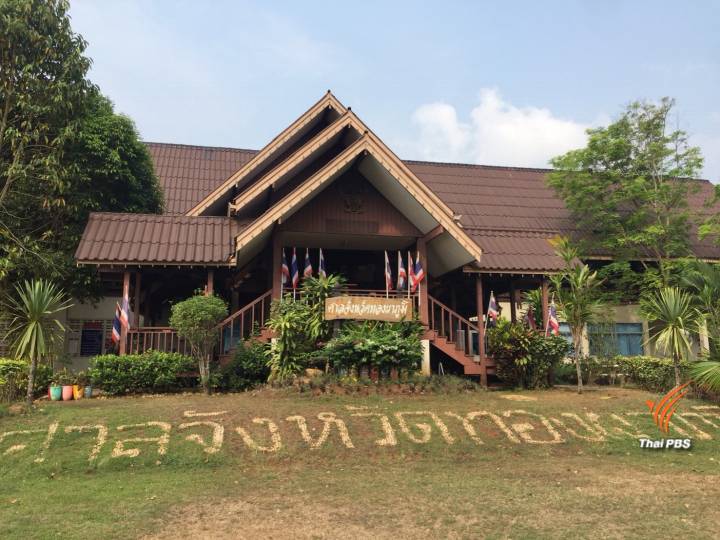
(650, 373)
(247, 368)
(300, 326)
(702, 281)
(706, 375)
(673, 319)
(628, 188)
(375, 343)
(409, 382)
(14, 378)
(577, 289)
(196, 319)
(33, 327)
(524, 357)
(148, 372)
(63, 151)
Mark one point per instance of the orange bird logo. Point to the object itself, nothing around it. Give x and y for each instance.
(663, 410)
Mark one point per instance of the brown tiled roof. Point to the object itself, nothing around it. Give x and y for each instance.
(187, 174)
(111, 238)
(510, 212)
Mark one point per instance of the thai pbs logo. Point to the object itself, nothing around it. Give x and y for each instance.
(662, 411)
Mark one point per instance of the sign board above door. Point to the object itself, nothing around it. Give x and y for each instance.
(373, 308)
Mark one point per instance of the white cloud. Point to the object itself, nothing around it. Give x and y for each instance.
(496, 133)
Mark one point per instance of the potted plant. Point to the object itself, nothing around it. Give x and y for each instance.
(55, 387)
(66, 380)
(88, 392)
(81, 381)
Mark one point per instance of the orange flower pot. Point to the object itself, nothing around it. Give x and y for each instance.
(78, 391)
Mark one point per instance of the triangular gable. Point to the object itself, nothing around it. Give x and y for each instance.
(270, 150)
(297, 160)
(258, 231)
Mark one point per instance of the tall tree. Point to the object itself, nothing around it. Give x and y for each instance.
(628, 188)
(63, 150)
(43, 86)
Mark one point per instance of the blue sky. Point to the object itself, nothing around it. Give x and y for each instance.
(506, 83)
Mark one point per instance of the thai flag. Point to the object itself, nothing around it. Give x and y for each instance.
(116, 325)
(553, 326)
(388, 274)
(321, 265)
(308, 272)
(412, 283)
(125, 313)
(285, 270)
(294, 271)
(402, 275)
(419, 271)
(493, 311)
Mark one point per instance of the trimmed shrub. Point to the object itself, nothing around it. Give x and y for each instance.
(650, 373)
(524, 357)
(379, 344)
(14, 378)
(151, 371)
(248, 368)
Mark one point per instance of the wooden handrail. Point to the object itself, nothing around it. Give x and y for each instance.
(256, 312)
(455, 323)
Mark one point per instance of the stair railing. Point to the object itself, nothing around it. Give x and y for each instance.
(245, 322)
(452, 326)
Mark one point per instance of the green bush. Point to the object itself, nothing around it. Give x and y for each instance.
(524, 357)
(247, 368)
(14, 376)
(650, 373)
(380, 344)
(151, 371)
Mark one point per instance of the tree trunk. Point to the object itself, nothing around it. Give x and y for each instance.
(31, 381)
(578, 342)
(205, 373)
(676, 365)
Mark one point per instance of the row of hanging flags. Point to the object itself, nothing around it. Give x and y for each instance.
(291, 274)
(552, 326)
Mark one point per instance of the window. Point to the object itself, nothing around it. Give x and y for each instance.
(623, 339)
(88, 338)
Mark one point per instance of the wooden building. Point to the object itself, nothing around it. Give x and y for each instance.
(327, 181)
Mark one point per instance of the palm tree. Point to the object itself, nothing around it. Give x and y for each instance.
(702, 281)
(578, 292)
(673, 314)
(33, 325)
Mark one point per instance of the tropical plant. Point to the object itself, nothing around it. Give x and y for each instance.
(34, 328)
(577, 290)
(315, 290)
(702, 281)
(533, 299)
(196, 320)
(706, 374)
(628, 188)
(673, 318)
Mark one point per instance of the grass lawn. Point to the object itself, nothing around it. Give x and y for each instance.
(508, 476)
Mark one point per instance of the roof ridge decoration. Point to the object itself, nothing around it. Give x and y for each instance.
(368, 143)
(327, 101)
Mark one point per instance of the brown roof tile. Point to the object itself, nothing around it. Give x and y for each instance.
(187, 174)
(157, 239)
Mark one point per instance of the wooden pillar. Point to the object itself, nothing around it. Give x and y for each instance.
(136, 306)
(423, 299)
(125, 302)
(481, 328)
(513, 309)
(210, 290)
(545, 303)
(276, 271)
(146, 311)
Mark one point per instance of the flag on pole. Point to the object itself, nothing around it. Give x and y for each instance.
(388, 274)
(321, 266)
(285, 270)
(553, 325)
(295, 275)
(412, 282)
(125, 314)
(402, 275)
(493, 312)
(308, 272)
(419, 272)
(116, 325)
